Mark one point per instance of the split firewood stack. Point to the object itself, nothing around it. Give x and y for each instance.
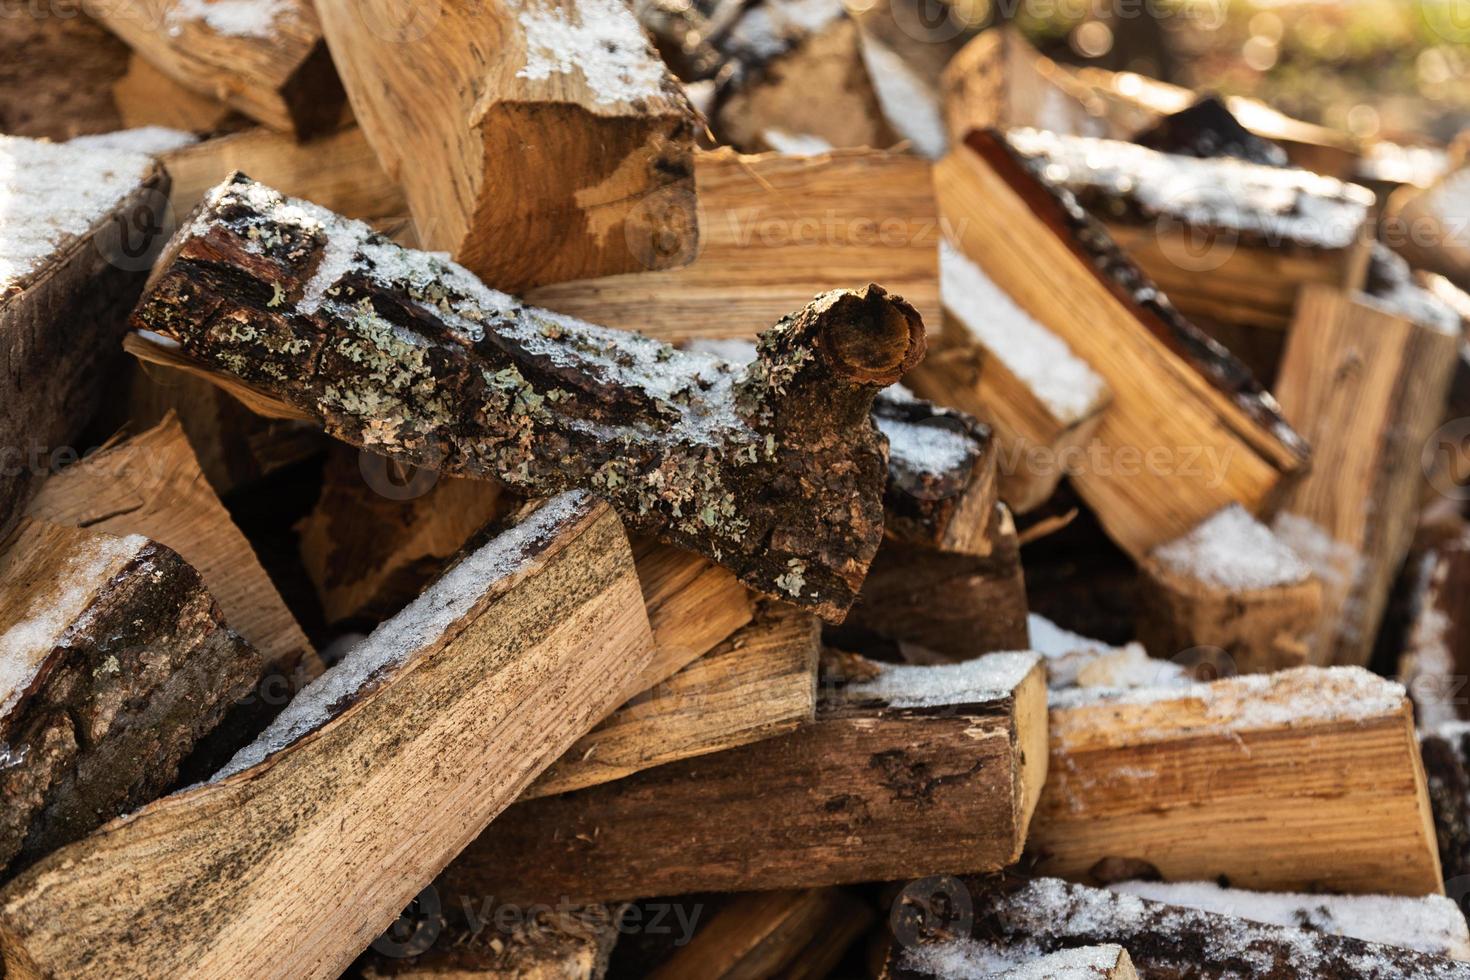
(727, 489)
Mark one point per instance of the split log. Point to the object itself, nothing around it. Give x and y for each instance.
(798, 935)
(1232, 585)
(42, 57)
(151, 485)
(1164, 941)
(146, 96)
(997, 362)
(1188, 430)
(556, 944)
(362, 748)
(81, 227)
(536, 143)
(949, 604)
(1430, 924)
(933, 769)
(1446, 753)
(1367, 388)
(1429, 227)
(1176, 782)
(1244, 263)
(775, 231)
(115, 662)
(1434, 662)
(409, 355)
(693, 605)
(960, 959)
(759, 683)
(337, 171)
(266, 60)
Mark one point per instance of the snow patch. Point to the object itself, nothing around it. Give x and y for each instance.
(1233, 550)
(605, 44)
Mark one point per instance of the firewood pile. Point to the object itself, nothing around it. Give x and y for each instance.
(721, 489)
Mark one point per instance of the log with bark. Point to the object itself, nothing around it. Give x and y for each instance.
(80, 228)
(509, 658)
(536, 142)
(1188, 430)
(1367, 387)
(406, 354)
(268, 60)
(1230, 585)
(960, 959)
(1446, 751)
(1174, 782)
(776, 230)
(935, 769)
(114, 663)
(1434, 659)
(1229, 240)
(1164, 941)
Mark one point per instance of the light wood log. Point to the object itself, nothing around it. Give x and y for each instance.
(799, 935)
(1177, 783)
(1188, 430)
(71, 264)
(514, 654)
(535, 142)
(114, 663)
(151, 485)
(1366, 387)
(1232, 585)
(146, 96)
(759, 683)
(337, 171)
(929, 769)
(409, 355)
(42, 56)
(268, 61)
(775, 231)
(1431, 227)
(1164, 941)
(693, 605)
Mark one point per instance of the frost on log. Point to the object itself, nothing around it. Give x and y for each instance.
(774, 469)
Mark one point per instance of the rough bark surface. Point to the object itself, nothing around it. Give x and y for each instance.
(773, 470)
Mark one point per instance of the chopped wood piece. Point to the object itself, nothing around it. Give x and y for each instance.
(1366, 387)
(267, 60)
(1232, 585)
(934, 768)
(337, 171)
(1446, 752)
(1209, 130)
(1329, 753)
(1428, 227)
(409, 355)
(1430, 923)
(114, 662)
(759, 683)
(941, 474)
(963, 959)
(146, 96)
(151, 485)
(1226, 239)
(693, 605)
(55, 72)
(233, 445)
(536, 142)
(800, 935)
(380, 532)
(1166, 940)
(1188, 430)
(555, 944)
(950, 605)
(997, 362)
(776, 230)
(351, 791)
(77, 237)
(1434, 662)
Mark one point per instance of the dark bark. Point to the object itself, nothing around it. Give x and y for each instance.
(1209, 129)
(941, 470)
(774, 471)
(1449, 798)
